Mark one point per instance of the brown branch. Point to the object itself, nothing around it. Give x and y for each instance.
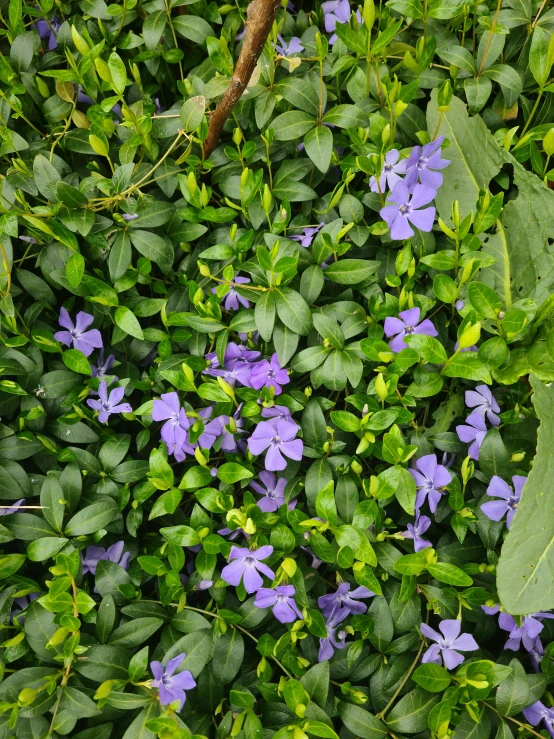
(260, 16)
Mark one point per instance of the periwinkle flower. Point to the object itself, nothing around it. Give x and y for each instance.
(246, 564)
(171, 686)
(404, 209)
(230, 428)
(448, 643)
(344, 601)
(279, 439)
(115, 554)
(294, 46)
(102, 369)
(307, 235)
(269, 374)
(407, 323)
(526, 633)
(538, 712)
(430, 477)
(232, 299)
(335, 638)
(109, 404)
(473, 433)
(390, 174)
(536, 654)
(273, 492)
(416, 530)
(423, 163)
(76, 335)
(484, 403)
(8, 510)
(509, 499)
(130, 216)
(168, 408)
(281, 601)
(335, 11)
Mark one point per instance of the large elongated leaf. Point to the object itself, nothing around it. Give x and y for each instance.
(524, 576)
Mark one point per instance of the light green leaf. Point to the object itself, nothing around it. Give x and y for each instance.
(128, 322)
(319, 147)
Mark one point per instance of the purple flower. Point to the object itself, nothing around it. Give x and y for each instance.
(416, 530)
(103, 368)
(273, 493)
(404, 209)
(491, 610)
(246, 566)
(447, 642)
(459, 305)
(525, 634)
(7, 510)
(344, 601)
(293, 47)
(238, 361)
(168, 409)
(269, 374)
(229, 442)
(114, 554)
(335, 11)
(335, 638)
(473, 433)
(407, 323)
(281, 600)
(539, 712)
(484, 403)
(390, 174)
(49, 30)
(83, 340)
(430, 477)
(109, 404)
(423, 161)
(172, 687)
(24, 601)
(509, 499)
(278, 439)
(130, 216)
(279, 413)
(308, 233)
(232, 299)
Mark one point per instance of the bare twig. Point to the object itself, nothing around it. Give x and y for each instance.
(260, 16)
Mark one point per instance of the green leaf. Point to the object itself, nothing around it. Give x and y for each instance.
(346, 116)
(318, 143)
(512, 695)
(120, 256)
(231, 472)
(76, 362)
(193, 28)
(75, 269)
(329, 330)
(410, 713)
(40, 550)
(432, 678)
(494, 458)
(228, 655)
(135, 632)
(292, 125)
(485, 301)
(538, 55)
(128, 322)
(118, 73)
(153, 28)
(299, 93)
(10, 563)
(293, 310)
(450, 574)
(52, 500)
(316, 683)
(351, 271)
(264, 314)
(153, 247)
(360, 722)
(469, 366)
(524, 575)
(192, 113)
(325, 505)
(92, 518)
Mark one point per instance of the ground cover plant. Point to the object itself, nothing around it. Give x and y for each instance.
(277, 353)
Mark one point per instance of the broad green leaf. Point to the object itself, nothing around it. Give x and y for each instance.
(228, 655)
(128, 322)
(292, 125)
(432, 677)
(319, 147)
(524, 575)
(192, 113)
(410, 714)
(360, 722)
(293, 310)
(92, 518)
(264, 314)
(299, 93)
(76, 361)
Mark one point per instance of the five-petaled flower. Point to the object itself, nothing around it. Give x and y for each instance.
(407, 323)
(279, 439)
(390, 174)
(473, 433)
(115, 554)
(416, 530)
(538, 712)
(307, 235)
(281, 601)
(269, 374)
(294, 46)
(484, 403)
(273, 493)
(404, 209)
(448, 643)
(232, 299)
(171, 686)
(344, 601)
(246, 564)
(430, 478)
(423, 163)
(109, 404)
(335, 11)
(526, 633)
(509, 499)
(77, 334)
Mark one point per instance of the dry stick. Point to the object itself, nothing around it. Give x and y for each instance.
(259, 20)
